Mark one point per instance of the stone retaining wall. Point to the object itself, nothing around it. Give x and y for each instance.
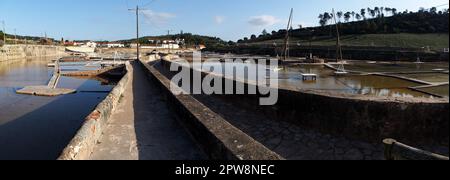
(415, 121)
(14, 52)
(84, 141)
(218, 138)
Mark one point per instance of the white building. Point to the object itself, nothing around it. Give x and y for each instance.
(78, 43)
(170, 46)
(91, 44)
(115, 45)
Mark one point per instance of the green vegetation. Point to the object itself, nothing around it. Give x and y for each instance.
(22, 39)
(370, 27)
(435, 42)
(1, 38)
(189, 39)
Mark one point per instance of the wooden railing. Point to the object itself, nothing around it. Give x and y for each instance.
(394, 150)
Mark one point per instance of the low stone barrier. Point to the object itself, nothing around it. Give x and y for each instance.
(93, 72)
(84, 141)
(218, 138)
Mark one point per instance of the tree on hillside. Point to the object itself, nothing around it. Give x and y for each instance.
(353, 15)
(264, 33)
(433, 10)
(373, 13)
(253, 37)
(394, 11)
(388, 10)
(339, 15)
(274, 32)
(327, 16)
(377, 11)
(324, 18)
(322, 22)
(363, 13)
(320, 16)
(358, 17)
(347, 16)
(422, 10)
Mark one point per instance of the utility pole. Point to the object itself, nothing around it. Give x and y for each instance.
(338, 40)
(15, 36)
(46, 41)
(286, 40)
(170, 44)
(40, 39)
(137, 28)
(4, 32)
(137, 32)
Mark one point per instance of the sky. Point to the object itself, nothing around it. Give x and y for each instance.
(227, 19)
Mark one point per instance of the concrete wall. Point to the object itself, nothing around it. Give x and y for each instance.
(218, 138)
(351, 53)
(410, 120)
(14, 52)
(414, 122)
(84, 141)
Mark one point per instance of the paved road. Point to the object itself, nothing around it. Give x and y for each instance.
(143, 128)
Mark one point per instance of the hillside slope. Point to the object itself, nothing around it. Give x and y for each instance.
(190, 39)
(435, 41)
(402, 30)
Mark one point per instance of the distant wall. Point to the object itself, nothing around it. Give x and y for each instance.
(14, 52)
(351, 53)
(414, 121)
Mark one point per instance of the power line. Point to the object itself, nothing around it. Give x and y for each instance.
(442, 5)
(126, 3)
(147, 4)
(140, 5)
(436, 6)
(137, 28)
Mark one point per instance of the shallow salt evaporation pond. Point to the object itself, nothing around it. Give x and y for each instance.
(290, 77)
(33, 127)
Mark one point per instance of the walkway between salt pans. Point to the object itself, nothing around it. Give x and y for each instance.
(143, 127)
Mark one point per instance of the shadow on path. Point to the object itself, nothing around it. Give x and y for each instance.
(159, 135)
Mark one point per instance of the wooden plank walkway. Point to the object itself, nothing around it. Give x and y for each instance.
(50, 89)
